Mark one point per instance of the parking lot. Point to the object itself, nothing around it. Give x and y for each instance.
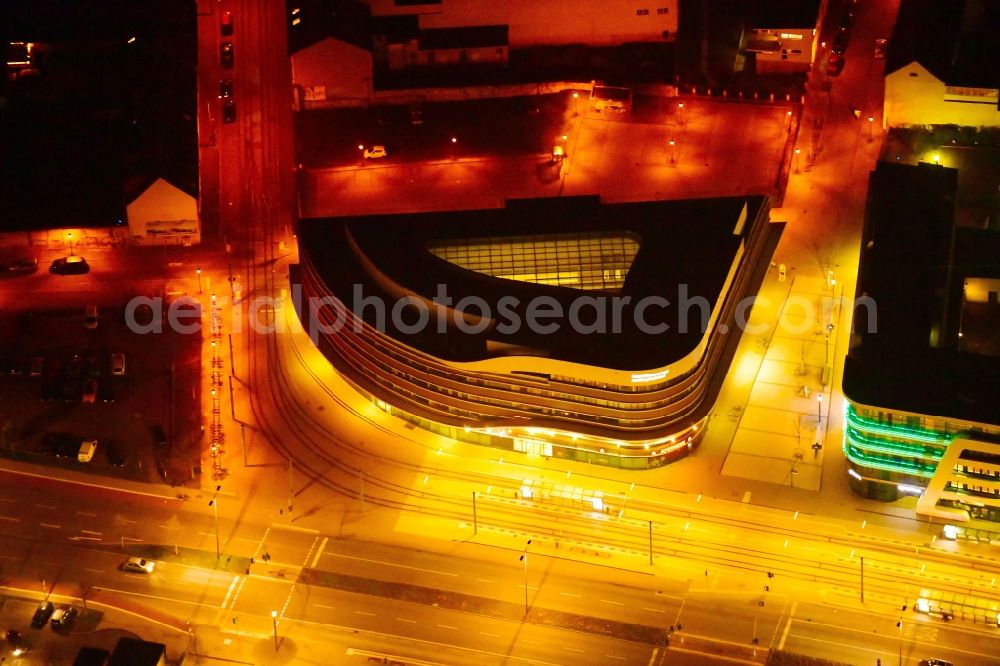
(73, 376)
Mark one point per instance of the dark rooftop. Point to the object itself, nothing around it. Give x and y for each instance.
(955, 40)
(135, 652)
(785, 14)
(914, 262)
(685, 247)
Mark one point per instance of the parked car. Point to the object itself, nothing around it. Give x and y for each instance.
(15, 642)
(226, 24)
(118, 363)
(74, 367)
(880, 45)
(90, 391)
(226, 54)
(138, 565)
(19, 267)
(229, 110)
(225, 88)
(72, 265)
(159, 436)
(105, 391)
(63, 617)
(42, 614)
(375, 152)
(114, 454)
(416, 116)
(840, 42)
(71, 390)
(36, 367)
(61, 444)
(93, 365)
(934, 662)
(88, 448)
(835, 65)
(90, 317)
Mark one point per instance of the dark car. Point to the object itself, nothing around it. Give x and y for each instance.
(225, 88)
(105, 391)
(159, 436)
(42, 614)
(835, 65)
(229, 110)
(74, 368)
(114, 453)
(93, 365)
(15, 642)
(19, 267)
(226, 54)
(226, 24)
(840, 43)
(72, 265)
(846, 20)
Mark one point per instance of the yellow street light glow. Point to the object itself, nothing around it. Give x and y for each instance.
(936, 158)
(296, 20)
(131, 40)
(454, 140)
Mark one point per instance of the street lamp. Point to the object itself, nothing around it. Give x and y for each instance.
(274, 623)
(524, 558)
(69, 237)
(198, 271)
(871, 121)
(819, 407)
(673, 154)
(680, 113)
(576, 102)
(214, 503)
(797, 151)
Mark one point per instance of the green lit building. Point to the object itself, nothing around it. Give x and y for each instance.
(922, 376)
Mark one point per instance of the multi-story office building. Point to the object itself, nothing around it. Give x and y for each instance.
(922, 377)
(560, 327)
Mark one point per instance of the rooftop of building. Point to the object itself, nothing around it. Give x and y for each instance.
(955, 40)
(928, 351)
(785, 14)
(680, 247)
(476, 36)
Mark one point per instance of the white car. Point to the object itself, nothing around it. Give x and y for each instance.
(880, 49)
(139, 565)
(375, 152)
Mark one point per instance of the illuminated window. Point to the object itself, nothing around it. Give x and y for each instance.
(595, 261)
(642, 12)
(662, 10)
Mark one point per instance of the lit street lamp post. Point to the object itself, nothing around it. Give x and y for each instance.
(214, 503)
(524, 558)
(576, 104)
(797, 151)
(69, 237)
(871, 121)
(274, 623)
(680, 113)
(819, 408)
(198, 271)
(673, 154)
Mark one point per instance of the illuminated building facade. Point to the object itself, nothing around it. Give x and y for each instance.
(922, 377)
(558, 327)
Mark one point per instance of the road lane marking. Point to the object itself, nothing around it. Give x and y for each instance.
(207, 533)
(788, 625)
(324, 606)
(319, 553)
(525, 640)
(95, 570)
(163, 527)
(614, 656)
(445, 626)
(4, 499)
(55, 527)
(126, 520)
(716, 657)
(10, 557)
(392, 564)
(46, 506)
(570, 594)
(13, 520)
(86, 513)
(403, 619)
(616, 603)
(91, 532)
(357, 612)
(485, 580)
(652, 657)
(486, 633)
(654, 610)
(572, 649)
(229, 592)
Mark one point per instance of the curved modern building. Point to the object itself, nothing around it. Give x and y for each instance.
(560, 327)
